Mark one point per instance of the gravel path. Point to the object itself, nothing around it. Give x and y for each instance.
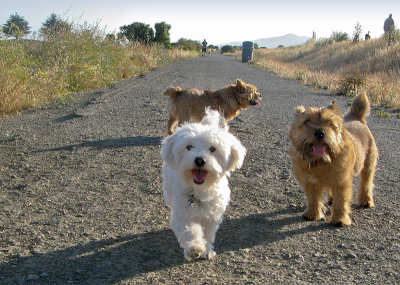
(81, 199)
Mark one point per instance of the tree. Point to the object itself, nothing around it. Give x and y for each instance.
(162, 34)
(229, 48)
(16, 26)
(54, 25)
(189, 44)
(138, 32)
(213, 47)
(357, 32)
(339, 36)
(110, 37)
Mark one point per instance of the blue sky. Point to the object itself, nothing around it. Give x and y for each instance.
(217, 21)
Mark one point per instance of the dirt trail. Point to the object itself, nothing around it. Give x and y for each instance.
(81, 198)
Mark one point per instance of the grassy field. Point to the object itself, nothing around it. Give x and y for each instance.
(32, 73)
(344, 68)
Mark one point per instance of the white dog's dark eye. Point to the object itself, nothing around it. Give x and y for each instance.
(212, 149)
(189, 147)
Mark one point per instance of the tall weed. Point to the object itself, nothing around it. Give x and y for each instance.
(341, 67)
(36, 71)
(15, 76)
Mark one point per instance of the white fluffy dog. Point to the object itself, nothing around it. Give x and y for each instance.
(197, 161)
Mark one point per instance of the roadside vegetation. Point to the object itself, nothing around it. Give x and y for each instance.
(66, 57)
(341, 65)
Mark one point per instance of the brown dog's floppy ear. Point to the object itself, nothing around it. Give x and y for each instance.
(240, 86)
(335, 108)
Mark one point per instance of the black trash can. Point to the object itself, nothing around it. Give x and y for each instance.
(247, 51)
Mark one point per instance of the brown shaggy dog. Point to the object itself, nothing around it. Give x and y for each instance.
(190, 104)
(327, 151)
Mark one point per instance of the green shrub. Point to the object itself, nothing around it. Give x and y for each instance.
(339, 36)
(300, 75)
(351, 83)
(382, 114)
(227, 48)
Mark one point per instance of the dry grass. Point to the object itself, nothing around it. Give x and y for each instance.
(33, 73)
(343, 68)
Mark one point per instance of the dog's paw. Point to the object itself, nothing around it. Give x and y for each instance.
(210, 254)
(344, 221)
(194, 251)
(366, 203)
(313, 216)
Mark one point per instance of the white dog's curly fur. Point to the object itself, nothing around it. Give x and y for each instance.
(197, 161)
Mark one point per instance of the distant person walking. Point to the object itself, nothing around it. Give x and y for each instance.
(367, 36)
(388, 27)
(204, 48)
(389, 24)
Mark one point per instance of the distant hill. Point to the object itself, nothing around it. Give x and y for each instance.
(286, 40)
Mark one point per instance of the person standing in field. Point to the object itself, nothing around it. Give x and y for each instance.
(204, 48)
(388, 27)
(367, 36)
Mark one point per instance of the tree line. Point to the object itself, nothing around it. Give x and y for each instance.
(17, 27)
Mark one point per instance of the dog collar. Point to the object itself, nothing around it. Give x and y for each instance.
(192, 200)
(237, 100)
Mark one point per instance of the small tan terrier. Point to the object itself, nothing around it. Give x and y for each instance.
(327, 151)
(190, 104)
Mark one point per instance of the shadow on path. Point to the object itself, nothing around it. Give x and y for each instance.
(111, 143)
(112, 260)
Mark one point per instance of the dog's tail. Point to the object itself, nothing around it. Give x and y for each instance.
(214, 118)
(359, 109)
(173, 92)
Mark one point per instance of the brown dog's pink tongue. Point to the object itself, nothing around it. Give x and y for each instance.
(319, 149)
(199, 175)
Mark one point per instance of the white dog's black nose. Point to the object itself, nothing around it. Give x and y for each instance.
(199, 161)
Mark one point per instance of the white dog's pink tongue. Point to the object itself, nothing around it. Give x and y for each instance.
(199, 175)
(319, 149)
